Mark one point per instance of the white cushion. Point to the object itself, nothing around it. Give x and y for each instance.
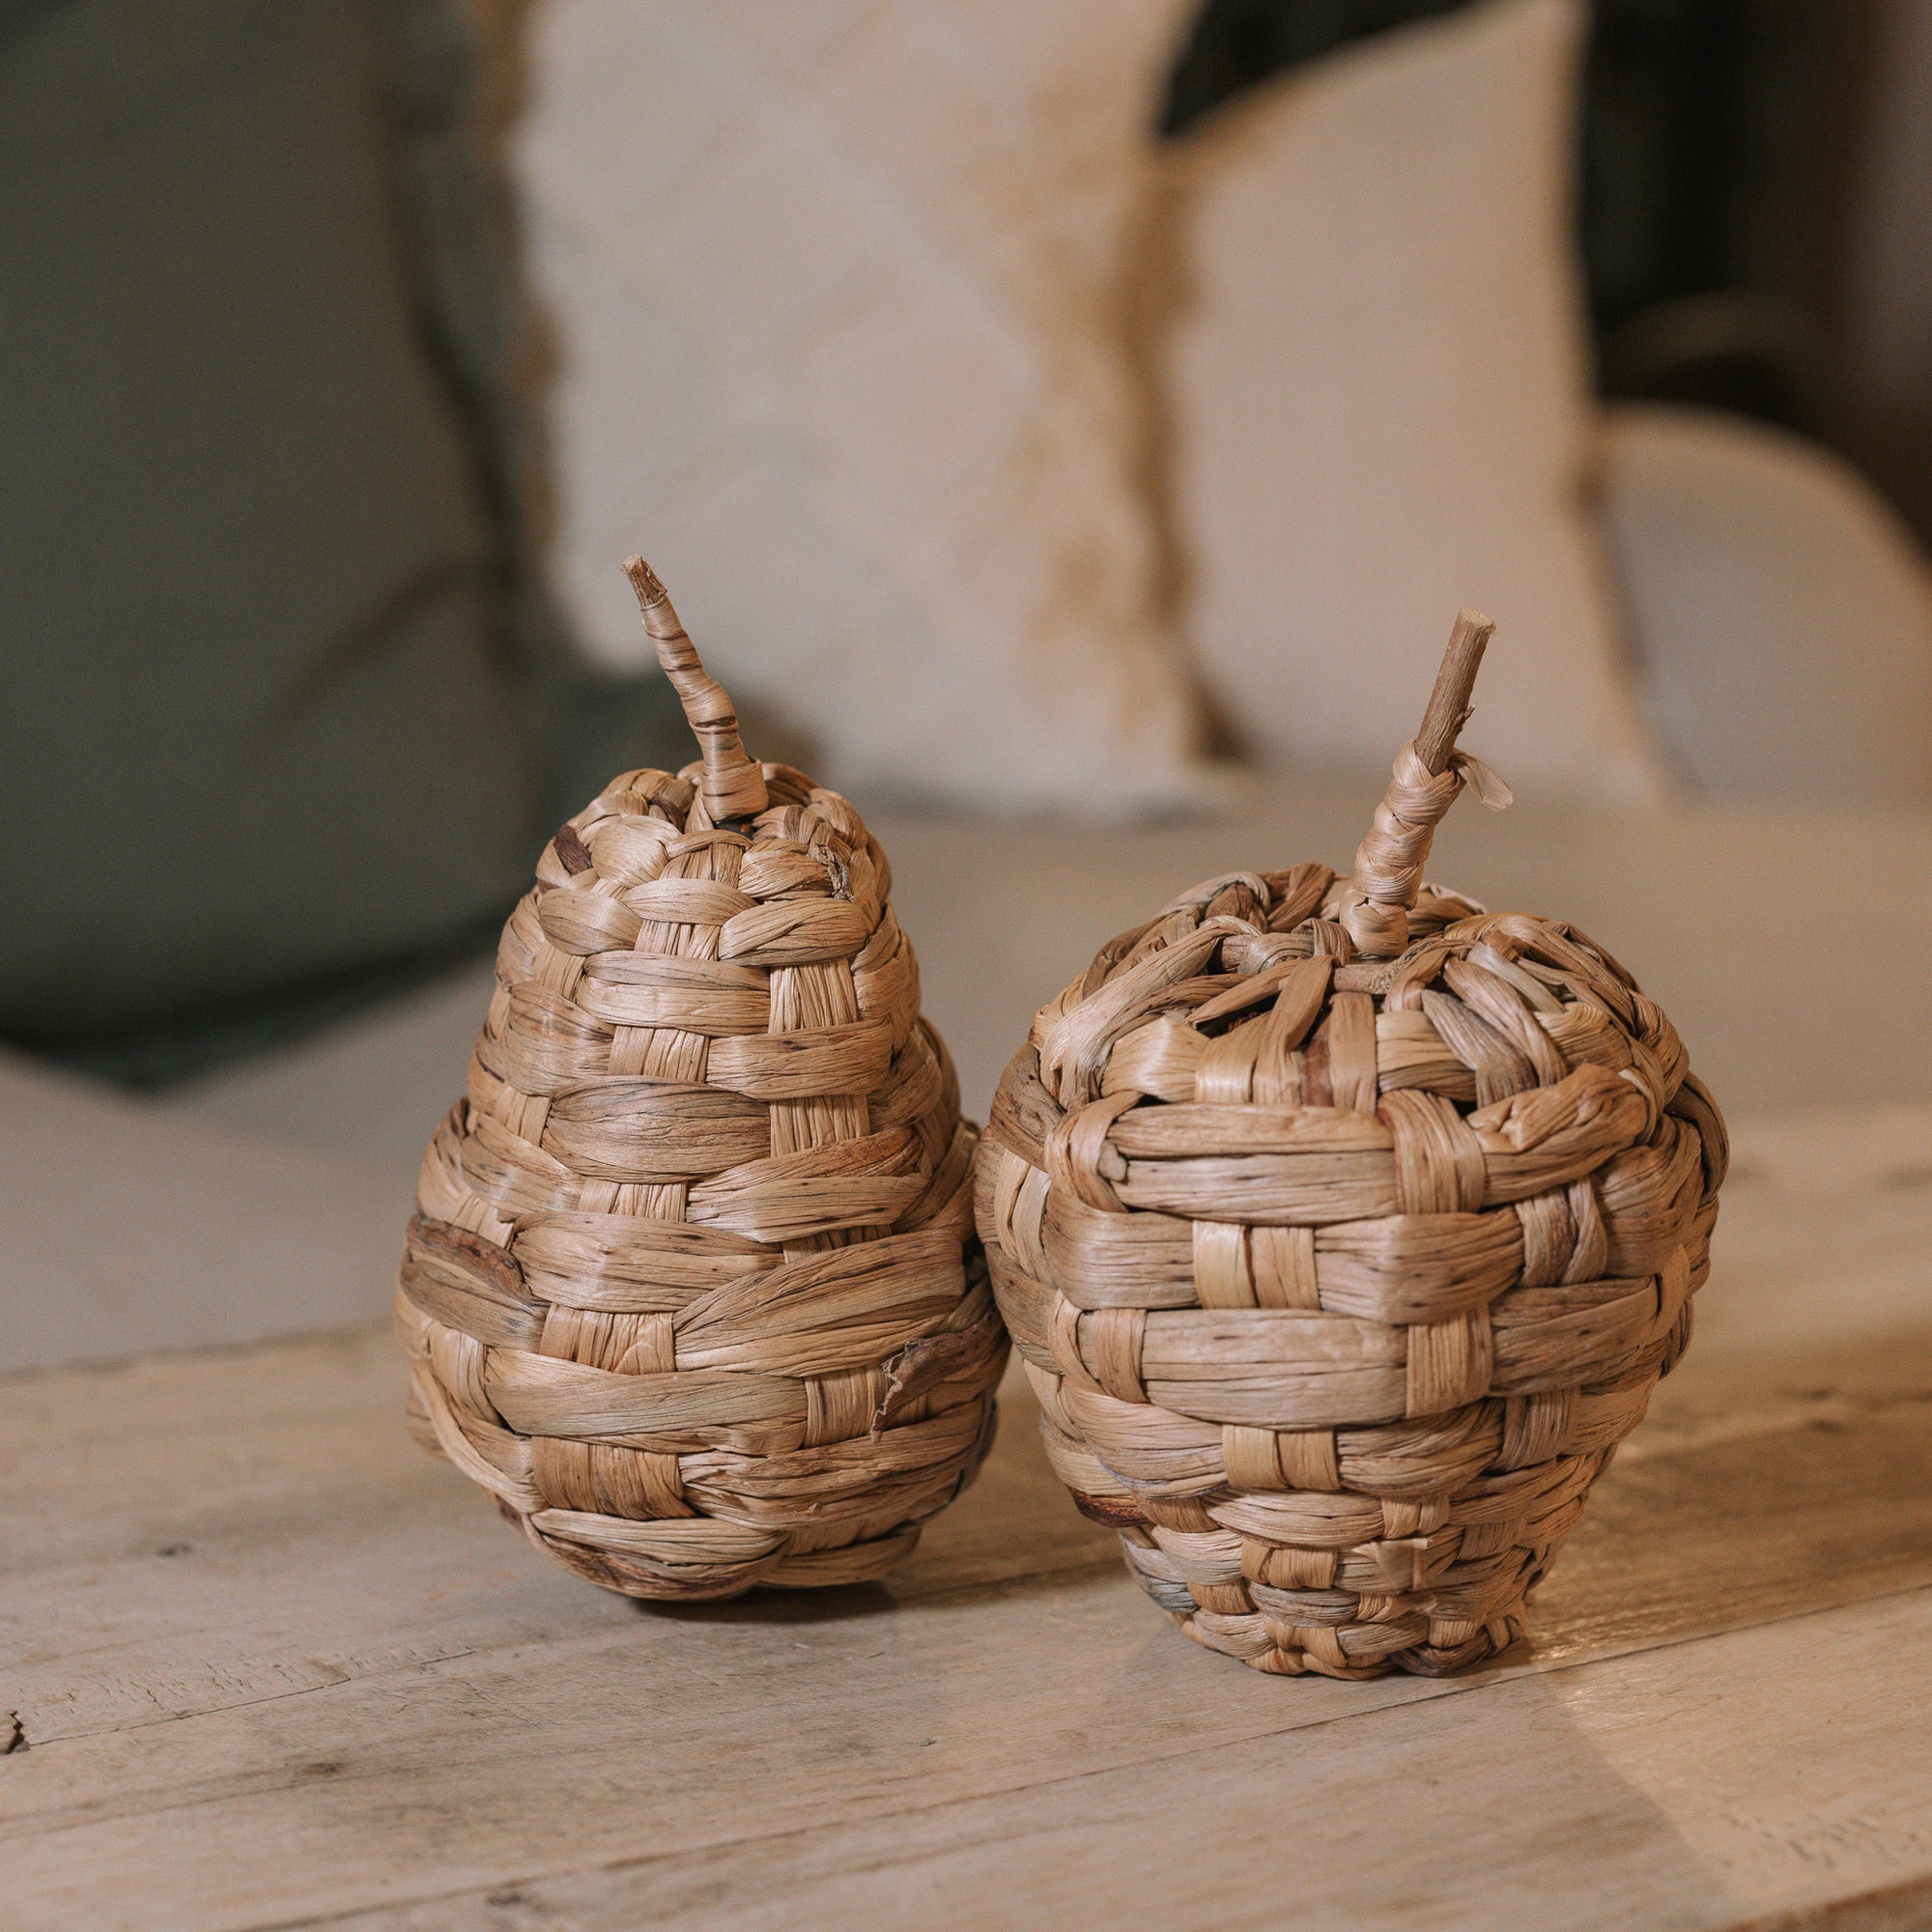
(1379, 411)
(1783, 610)
(833, 288)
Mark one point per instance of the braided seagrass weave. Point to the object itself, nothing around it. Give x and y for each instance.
(692, 1289)
(1345, 1228)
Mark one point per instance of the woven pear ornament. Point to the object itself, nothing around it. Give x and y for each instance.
(1345, 1228)
(692, 1289)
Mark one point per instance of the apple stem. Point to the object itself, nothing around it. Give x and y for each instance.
(1389, 865)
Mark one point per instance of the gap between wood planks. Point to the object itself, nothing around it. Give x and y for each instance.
(1693, 1442)
(1892, 1908)
(1672, 1442)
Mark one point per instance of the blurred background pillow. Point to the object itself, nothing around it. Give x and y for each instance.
(836, 293)
(1380, 406)
(283, 713)
(872, 323)
(1745, 198)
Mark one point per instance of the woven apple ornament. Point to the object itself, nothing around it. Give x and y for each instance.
(692, 1289)
(1345, 1229)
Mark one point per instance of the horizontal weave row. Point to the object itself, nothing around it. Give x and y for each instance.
(1339, 1279)
(692, 1289)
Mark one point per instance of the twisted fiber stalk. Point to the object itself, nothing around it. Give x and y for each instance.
(1339, 1275)
(732, 785)
(692, 1289)
(1428, 778)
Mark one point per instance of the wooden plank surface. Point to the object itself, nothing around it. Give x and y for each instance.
(271, 1667)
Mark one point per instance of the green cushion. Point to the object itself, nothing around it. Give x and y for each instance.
(260, 732)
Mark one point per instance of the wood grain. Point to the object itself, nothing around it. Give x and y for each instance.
(1585, 1797)
(309, 1676)
(273, 1667)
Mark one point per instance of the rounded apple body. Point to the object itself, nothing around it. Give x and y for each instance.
(1340, 1279)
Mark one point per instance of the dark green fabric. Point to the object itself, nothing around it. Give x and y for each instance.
(273, 728)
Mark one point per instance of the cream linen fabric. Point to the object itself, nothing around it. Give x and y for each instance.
(1378, 408)
(834, 289)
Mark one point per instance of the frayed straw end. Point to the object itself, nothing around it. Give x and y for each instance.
(645, 582)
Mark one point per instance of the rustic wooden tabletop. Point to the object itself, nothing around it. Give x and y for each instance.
(264, 1664)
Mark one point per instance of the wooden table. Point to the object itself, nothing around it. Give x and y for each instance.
(263, 1664)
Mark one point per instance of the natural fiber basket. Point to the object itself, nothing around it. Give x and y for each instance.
(1345, 1229)
(692, 1289)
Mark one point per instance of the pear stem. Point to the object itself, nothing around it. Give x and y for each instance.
(733, 784)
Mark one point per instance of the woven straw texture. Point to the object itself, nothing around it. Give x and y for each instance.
(1345, 1228)
(692, 1289)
